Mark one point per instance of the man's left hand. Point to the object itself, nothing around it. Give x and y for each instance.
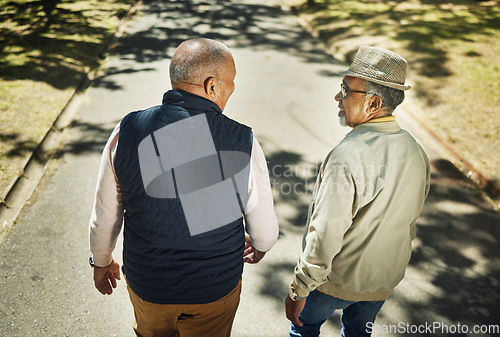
(251, 255)
(105, 277)
(293, 310)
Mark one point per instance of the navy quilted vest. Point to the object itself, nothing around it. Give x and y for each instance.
(163, 262)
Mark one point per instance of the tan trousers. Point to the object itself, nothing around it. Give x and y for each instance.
(213, 319)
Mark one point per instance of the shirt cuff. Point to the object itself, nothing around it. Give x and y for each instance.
(297, 293)
(102, 261)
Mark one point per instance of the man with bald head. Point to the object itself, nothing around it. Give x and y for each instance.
(205, 68)
(186, 182)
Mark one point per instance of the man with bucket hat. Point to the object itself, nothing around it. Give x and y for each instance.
(369, 193)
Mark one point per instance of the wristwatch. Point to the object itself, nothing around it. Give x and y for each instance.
(91, 261)
(293, 294)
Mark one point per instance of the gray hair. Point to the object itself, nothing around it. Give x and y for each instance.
(391, 97)
(195, 60)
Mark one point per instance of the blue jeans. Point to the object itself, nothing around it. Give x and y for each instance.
(319, 307)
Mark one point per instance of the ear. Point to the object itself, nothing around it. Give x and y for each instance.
(374, 105)
(211, 87)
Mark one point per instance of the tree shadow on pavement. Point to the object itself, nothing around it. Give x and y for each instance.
(454, 272)
(238, 25)
(292, 181)
(458, 236)
(90, 138)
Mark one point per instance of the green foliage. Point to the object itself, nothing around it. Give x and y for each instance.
(453, 50)
(40, 40)
(46, 47)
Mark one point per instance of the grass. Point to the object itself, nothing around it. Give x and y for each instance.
(453, 50)
(46, 48)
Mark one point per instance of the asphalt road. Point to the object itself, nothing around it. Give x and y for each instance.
(284, 89)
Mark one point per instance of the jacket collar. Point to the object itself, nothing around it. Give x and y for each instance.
(189, 101)
(390, 118)
(390, 126)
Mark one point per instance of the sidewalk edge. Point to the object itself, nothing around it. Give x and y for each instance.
(468, 169)
(36, 162)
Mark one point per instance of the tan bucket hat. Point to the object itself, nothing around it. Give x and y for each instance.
(380, 66)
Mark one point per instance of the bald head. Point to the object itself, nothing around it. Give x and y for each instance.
(195, 60)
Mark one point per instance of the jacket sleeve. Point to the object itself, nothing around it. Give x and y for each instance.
(330, 217)
(425, 158)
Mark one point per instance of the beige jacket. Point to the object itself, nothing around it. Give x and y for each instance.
(361, 221)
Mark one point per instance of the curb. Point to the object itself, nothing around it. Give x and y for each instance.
(469, 171)
(22, 186)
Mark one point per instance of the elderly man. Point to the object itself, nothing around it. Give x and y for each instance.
(370, 191)
(181, 176)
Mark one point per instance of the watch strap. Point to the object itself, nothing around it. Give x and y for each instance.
(91, 261)
(293, 294)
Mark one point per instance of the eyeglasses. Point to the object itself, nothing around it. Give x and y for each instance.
(344, 90)
(197, 84)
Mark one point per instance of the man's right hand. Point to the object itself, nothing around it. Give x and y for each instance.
(105, 277)
(293, 310)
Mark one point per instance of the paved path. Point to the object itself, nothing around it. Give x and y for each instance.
(284, 89)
